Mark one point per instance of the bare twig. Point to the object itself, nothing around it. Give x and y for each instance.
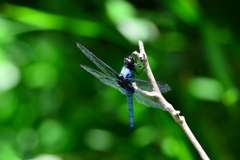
(167, 106)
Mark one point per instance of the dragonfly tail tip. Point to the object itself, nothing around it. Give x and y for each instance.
(131, 129)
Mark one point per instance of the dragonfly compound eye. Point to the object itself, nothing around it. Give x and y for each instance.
(129, 60)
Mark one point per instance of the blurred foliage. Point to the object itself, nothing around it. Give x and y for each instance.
(51, 109)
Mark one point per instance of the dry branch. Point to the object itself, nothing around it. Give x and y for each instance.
(167, 106)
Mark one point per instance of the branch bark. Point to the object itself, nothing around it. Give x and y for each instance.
(167, 106)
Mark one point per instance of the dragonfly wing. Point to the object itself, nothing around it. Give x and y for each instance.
(100, 64)
(148, 101)
(147, 86)
(163, 87)
(103, 78)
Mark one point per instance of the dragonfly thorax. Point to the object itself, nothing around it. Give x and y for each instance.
(125, 78)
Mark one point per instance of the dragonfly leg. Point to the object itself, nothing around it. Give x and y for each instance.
(138, 64)
(140, 71)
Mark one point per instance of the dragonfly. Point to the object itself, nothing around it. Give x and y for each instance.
(123, 82)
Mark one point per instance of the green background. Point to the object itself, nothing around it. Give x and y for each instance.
(51, 109)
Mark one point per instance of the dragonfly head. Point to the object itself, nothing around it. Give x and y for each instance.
(129, 61)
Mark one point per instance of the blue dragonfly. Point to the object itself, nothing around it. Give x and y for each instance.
(123, 82)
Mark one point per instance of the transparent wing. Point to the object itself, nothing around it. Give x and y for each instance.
(141, 98)
(100, 64)
(147, 86)
(148, 101)
(103, 78)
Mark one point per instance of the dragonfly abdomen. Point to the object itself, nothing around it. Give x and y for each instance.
(129, 93)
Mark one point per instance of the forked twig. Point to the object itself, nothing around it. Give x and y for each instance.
(167, 106)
